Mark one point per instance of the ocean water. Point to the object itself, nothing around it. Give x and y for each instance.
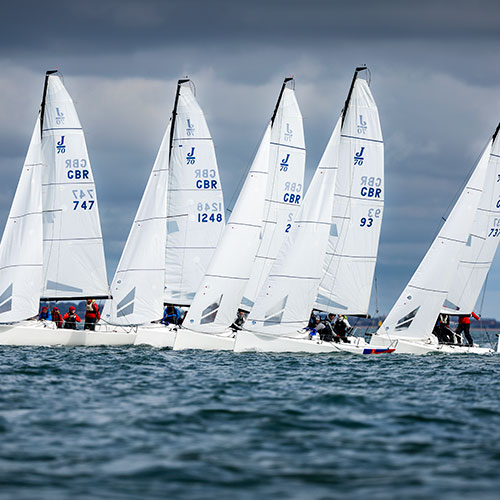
(138, 422)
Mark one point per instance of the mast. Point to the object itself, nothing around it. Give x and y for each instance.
(44, 97)
(174, 111)
(496, 132)
(285, 82)
(348, 99)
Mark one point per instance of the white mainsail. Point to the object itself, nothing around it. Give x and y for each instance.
(195, 206)
(21, 251)
(482, 242)
(285, 300)
(285, 187)
(357, 212)
(416, 311)
(138, 284)
(219, 295)
(74, 264)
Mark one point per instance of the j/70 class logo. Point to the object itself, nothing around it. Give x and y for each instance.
(190, 128)
(61, 147)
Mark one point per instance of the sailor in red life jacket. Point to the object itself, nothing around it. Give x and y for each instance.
(92, 315)
(56, 317)
(464, 326)
(71, 318)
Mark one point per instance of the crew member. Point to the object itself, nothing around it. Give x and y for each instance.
(45, 314)
(341, 327)
(171, 314)
(92, 315)
(56, 317)
(239, 321)
(464, 326)
(71, 319)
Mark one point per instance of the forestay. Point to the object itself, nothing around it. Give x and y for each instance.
(74, 264)
(195, 207)
(357, 212)
(285, 187)
(416, 311)
(482, 243)
(216, 301)
(137, 287)
(21, 253)
(285, 300)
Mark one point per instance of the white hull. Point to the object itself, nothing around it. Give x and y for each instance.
(156, 335)
(189, 339)
(40, 333)
(427, 347)
(257, 342)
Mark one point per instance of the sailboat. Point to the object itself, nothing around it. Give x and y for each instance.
(260, 220)
(176, 228)
(453, 269)
(52, 245)
(343, 206)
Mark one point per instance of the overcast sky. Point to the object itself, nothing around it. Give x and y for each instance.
(435, 76)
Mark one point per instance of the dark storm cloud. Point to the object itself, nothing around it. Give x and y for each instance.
(127, 25)
(435, 78)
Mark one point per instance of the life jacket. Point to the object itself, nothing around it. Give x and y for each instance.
(92, 311)
(70, 321)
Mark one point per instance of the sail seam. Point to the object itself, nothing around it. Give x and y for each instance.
(62, 128)
(427, 289)
(228, 277)
(452, 239)
(138, 269)
(287, 146)
(371, 200)
(351, 256)
(21, 265)
(193, 139)
(244, 224)
(361, 138)
(25, 215)
(294, 276)
(73, 239)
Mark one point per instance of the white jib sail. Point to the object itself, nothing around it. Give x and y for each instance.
(357, 212)
(416, 311)
(284, 192)
(285, 300)
(74, 264)
(21, 251)
(214, 307)
(137, 287)
(195, 206)
(481, 245)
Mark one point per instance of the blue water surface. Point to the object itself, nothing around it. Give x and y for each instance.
(139, 422)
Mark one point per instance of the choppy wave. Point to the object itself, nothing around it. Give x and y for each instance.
(128, 423)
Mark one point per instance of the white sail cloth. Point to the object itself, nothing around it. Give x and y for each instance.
(357, 212)
(138, 284)
(481, 245)
(416, 311)
(195, 207)
(284, 191)
(74, 264)
(21, 251)
(221, 289)
(285, 300)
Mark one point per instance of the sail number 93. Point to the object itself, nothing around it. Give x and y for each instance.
(372, 214)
